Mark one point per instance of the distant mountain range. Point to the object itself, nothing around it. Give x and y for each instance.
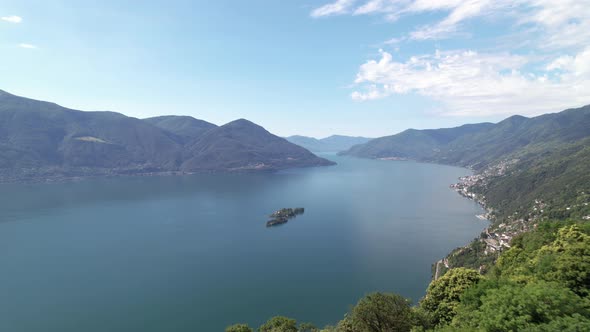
(44, 140)
(334, 143)
(477, 145)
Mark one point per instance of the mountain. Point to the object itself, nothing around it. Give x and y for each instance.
(478, 145)
(40, 136)
(241, 140)
(334, 143)
(559, 177)
(414, 144)
(41, 140)
(186, 128)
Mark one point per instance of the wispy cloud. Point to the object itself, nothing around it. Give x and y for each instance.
(336, 8)
(554, 73)
(460, 11)
(12, 19)
(29, 46)
(468, 83)
(564, 22)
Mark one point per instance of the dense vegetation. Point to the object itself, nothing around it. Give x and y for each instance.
(283, 215)
(559, 177)
(540, 284)
(553, 185)
(479, 145)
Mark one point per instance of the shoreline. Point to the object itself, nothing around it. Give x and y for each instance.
(494, 242)
(108, 174)
(495, 237)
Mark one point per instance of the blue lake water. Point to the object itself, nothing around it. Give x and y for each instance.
(192, 253)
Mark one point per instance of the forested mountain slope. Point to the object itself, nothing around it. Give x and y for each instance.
(478, 145)
(41, 140)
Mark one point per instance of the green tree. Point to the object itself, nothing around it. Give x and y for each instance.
(510, 306)
(345, 325)
(574, 323)
(443, 295)
(307, 327)
(239, 328)
(422, 319)
(279, 324)
(378, 312)
(565, 259)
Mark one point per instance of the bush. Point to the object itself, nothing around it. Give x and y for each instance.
(443, 295)
(379, 312)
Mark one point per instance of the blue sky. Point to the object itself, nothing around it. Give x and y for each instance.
(364, 67)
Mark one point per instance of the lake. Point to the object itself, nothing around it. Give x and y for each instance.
(192, 253)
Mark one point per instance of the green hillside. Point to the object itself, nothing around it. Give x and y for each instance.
(480, 145)
(41, 140)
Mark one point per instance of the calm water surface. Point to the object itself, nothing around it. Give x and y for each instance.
(192, 253)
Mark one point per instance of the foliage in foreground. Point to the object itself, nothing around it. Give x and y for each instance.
(275, 324)
(541, 284)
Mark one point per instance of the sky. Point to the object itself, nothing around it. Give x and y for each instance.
(307, 67)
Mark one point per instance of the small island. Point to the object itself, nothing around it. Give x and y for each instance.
(283, 215)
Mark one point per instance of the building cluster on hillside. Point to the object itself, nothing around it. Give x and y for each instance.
(500, 232)
(496, 237)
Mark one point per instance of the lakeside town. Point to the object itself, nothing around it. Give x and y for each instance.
(497, 236)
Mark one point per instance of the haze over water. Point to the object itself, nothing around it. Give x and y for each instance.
(192, 253)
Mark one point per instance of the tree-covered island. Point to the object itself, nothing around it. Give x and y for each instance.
(283, 215)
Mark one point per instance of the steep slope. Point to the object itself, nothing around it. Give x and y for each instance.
(243, 145)
(481, 144)
(41, 140)
(334, 143)
(36, 136)
(186, 128)
(547, 176)
(557, 177)
(414, 144)
(518, 136)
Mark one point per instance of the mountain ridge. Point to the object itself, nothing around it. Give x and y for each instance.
(478, 145)
(43, 140)
(184, 126)
(333, 143)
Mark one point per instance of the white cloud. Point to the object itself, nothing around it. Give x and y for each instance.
(578, 65)
(381, 6)
(468, 83)
(554, 73)
(428, 5)
(393, 9)
(564, 22)
(563, 62)
(25, 45)
(461, 11)
(12, 19)
(336, 8)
